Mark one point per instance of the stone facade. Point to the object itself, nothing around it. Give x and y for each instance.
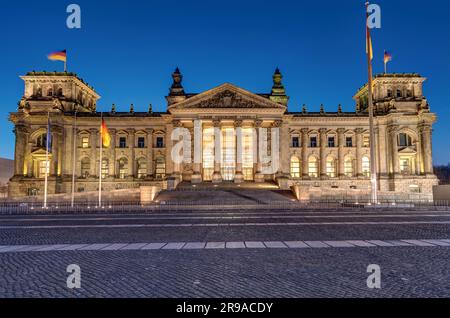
(323, 151)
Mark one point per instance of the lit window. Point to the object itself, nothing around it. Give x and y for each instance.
(160, 171)
(141, 168)
(313, 167)
(105, 168)
(44, 168)
(366, 141)
(365, 166)
(123, 168)
(295, 167)
(405, 165)
(348, 167)
(331, 167)
(85, 142)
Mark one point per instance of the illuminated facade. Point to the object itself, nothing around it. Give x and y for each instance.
(322, 150)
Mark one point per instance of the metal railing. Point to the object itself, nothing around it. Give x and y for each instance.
(17, 208)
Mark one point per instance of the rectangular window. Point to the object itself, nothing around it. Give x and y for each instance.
(141, 142)
(348, 142)
(313, 142)
(295, 142)
(366, 141)
(122, 142)
(85, 142)
(159, 142)
(44, 168)
(331, 142)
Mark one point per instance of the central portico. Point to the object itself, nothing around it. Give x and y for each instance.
(225, 124)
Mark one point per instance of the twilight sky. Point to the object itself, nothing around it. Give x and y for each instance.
(128, 49)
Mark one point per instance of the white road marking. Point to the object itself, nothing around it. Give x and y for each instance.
(222, 245)
(172, 225)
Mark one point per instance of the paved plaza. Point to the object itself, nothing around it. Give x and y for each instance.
(215, 253)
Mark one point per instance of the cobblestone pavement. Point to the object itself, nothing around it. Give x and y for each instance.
(227, 254)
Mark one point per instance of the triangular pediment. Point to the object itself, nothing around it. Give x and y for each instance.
(227, 96)
(407, 150)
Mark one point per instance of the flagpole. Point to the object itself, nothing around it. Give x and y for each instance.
(373, 165)
(385, 63)
(74, 159)
(100, 164)
(47, 166)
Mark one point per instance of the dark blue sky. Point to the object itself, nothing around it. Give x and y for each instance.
(128, 49)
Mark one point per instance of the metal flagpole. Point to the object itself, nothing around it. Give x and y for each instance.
(100, 164)
(373, 164)
(74, 159)
(47, 166)
(385, 63)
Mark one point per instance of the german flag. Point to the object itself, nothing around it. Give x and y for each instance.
(58, 56)
(105, 135)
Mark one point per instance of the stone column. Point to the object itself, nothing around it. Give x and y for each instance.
(69, 159)
(359, 132)
(284, 142)
(393, 130)
(259, 177)
(29, 159)
(176, 166)
(56, 136)
(426, 133)
(341, 149)
(198, 136)
(168, 145)
(93, 142)
(132, 141)
(149, 132)
(217, 177)
(60, 163)
(305, 153)
(383, 150)
(239, 176)
(19, 156)
(323, 157)
(112, 153)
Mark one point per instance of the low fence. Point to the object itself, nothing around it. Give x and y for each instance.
(15, 208)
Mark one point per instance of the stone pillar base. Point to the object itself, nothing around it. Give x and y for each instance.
(239, 177)
(283, 183)
(259, 177)
(196, 178)
(216, 177)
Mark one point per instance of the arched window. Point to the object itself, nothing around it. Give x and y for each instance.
(60, 91)
(160, 167)
(295, 167)
(39, 92)
(365, 162)
(105, 168)
(404, 140)
(331, 167)
(50, 92)
(123, 168)
(348, 167)
(399, 93)
(41, 141)
(313, 167)
(141, 164)
(85, 167)
(389, 93)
